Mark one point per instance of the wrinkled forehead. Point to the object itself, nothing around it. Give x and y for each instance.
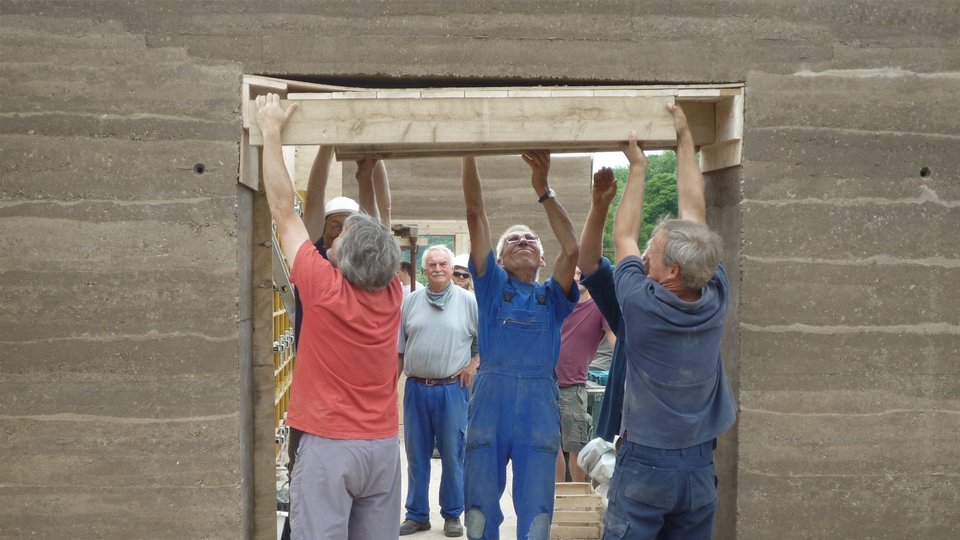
(438, 256)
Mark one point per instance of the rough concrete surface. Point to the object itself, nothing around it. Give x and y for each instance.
(126, 306)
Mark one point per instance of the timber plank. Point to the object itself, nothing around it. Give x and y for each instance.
(483, 120)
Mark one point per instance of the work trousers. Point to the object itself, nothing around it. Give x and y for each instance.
(345, 489)
(515, 418)
(661, 494)
(434, 413)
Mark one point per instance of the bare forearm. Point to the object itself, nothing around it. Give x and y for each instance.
(381, 190)
(591, 239)
(690, 184)
(313, 211)
(566, 262)
(279, 192)
(366, 196)
(477, 222)
(626, 227)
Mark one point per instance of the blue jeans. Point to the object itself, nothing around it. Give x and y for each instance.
(662, 494)
(434, 413)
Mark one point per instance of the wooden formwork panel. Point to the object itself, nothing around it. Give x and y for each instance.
(577, 512)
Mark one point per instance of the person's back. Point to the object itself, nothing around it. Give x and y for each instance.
(346, 480)
(673, 299)
(677, 392)
(351, 393)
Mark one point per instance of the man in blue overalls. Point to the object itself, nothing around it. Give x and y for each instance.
(514, 413)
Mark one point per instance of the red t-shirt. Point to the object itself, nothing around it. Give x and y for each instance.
(345, 377)
(581, 334)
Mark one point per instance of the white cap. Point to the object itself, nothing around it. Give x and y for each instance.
(340, 205)
(462, 260)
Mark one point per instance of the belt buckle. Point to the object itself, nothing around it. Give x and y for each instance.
(430, 382)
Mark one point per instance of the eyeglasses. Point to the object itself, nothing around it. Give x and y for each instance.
(461, 275)
(530, 238)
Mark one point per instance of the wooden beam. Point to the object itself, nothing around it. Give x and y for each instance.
(448, 122)
(249, 174)
(387, 151)
(484, 120)
(727, 148)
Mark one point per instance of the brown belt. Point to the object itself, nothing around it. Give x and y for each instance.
(435, 382)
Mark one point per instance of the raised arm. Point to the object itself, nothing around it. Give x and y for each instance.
(602, 192)
(313, 212)
(276, 181)
(381, 190)
(477, 223)
(565, 265)
(626, 226)
(366, 197)
(373, 189)
(690, 199)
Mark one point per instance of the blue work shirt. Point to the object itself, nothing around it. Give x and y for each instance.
(676, 392)
(600, 285)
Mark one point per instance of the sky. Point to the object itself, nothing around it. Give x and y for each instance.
(609, 159)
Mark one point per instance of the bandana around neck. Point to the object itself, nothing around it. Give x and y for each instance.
(439, 299)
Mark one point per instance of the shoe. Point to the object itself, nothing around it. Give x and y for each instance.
(452, 527)
(410, 526)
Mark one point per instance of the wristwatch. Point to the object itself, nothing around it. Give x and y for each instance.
(550, 194)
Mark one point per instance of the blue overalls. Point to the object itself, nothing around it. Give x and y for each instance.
(514, 412)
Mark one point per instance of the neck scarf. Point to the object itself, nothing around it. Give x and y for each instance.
(439, 299)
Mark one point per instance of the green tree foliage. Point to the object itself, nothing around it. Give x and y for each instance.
(659, 197)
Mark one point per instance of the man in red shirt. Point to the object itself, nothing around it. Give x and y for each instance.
(344, 397)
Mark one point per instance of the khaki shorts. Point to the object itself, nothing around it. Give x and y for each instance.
(576, 426)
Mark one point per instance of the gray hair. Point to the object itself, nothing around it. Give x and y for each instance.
(366, 253)
(441, 248)
(693, 247)
(512, 229)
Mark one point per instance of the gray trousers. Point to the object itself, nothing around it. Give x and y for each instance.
(345, 489)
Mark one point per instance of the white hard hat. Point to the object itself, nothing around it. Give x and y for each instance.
(340, 205)
(462, 260)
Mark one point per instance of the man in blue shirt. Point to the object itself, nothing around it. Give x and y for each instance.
(514, 412)
(597, 278)
(673, 302)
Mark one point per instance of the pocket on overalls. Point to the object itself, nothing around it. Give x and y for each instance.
(545, 431)
(522, 335)
(480, 437)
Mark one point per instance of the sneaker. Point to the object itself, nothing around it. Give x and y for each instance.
(410, 526)
(452, 527)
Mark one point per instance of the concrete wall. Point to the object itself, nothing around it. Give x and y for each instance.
(125, 282)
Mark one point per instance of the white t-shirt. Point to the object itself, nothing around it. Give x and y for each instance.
(407, 291)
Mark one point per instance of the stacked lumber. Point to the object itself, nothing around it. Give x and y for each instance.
(577, 512)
